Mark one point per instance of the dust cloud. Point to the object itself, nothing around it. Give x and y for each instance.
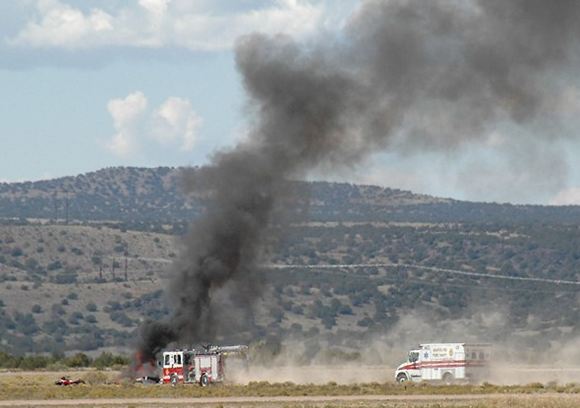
(514, 360)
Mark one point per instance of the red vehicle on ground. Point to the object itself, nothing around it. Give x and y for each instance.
(62, 381)
(202, 366)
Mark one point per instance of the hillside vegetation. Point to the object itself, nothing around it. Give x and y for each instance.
(83, 260)
(140, 195)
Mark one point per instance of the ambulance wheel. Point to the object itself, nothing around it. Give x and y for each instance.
(402, 378)
(204, 381)
(447, 378)
(174, 379)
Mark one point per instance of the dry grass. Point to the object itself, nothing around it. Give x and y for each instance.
(103, 384)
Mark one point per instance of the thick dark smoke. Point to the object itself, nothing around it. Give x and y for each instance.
(402, 74)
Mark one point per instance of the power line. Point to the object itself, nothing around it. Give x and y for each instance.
(450, 283)
(430, 269)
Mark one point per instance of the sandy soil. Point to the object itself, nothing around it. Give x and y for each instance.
(508, 375)
(442, 400)
(350, 374)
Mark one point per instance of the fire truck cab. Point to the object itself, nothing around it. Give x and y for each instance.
(197, 366)
(445, 362)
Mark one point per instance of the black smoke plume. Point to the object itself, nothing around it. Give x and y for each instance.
(401, 74)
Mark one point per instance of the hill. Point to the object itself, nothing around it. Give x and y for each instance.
(87, 284)
(140, 195)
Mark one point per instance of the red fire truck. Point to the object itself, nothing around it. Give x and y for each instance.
(202, 366)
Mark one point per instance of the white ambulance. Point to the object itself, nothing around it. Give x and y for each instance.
(446, 362)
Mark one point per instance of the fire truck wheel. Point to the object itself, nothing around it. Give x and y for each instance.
(447, 378)
(174, 379)
(204, 381)
(401, 378)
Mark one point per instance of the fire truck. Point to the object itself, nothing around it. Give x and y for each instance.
(446, 362)
(202, 366)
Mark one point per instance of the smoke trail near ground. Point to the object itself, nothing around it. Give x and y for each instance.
(402, 74)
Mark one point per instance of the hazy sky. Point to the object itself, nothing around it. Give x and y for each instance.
(90, 84)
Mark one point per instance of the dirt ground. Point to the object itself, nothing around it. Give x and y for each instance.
(345, 374)
(312, 375)
(408, 401)
(355, 373)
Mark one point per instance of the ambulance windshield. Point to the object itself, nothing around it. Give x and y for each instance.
(413, 356)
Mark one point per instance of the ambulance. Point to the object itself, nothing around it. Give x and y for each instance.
(446, 363)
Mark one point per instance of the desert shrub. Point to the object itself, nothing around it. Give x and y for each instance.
(277, 314)
(89, 341)
(77, 251)
(57, 309)
(107, 359)
(25, 323)
(365, 322)
(345, 310)
(9, 361)
(298, 309)
(54, 265)
(78, 360)
(329, 322)
(113, 306)
(34, 362)
(65, 278)
(77, 315)
(31, 265)
(73, 320)
(122, 319)
(55, 326)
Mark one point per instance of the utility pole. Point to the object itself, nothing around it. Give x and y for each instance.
(55, 200)
(66, 206)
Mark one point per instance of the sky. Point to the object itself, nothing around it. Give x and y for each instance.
(92, 84)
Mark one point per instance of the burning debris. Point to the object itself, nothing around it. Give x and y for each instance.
(64, 381)
(403, 74)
